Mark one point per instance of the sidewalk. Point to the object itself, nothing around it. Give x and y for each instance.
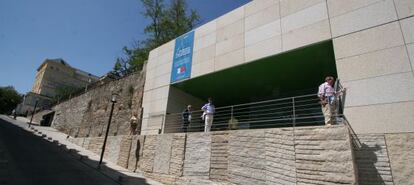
(87, 157)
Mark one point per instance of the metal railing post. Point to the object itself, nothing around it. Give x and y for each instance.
(162, 124)
(293, 112)
(339, 101)
(298, 110)
(231, 113)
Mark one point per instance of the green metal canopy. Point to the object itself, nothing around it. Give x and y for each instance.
(293, 73)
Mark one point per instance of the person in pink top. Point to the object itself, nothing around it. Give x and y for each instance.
(326, 94)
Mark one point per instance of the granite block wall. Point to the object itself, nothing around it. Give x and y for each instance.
(135, 153)
(323, 156)
(311, 155)
(303, 155)
(163, 154)
(197, 155)
(177, 153)
(400, 151)
(112, 149)
(95, 145)
(148, 153)
(280, 156)
(372, 160)
(247, 157)
(219, 156)
(385, 158)
(124, 151)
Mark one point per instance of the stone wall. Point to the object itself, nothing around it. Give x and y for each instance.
(311, 155)
(135, 152)
(400, 151)
(308, 155)
(385, 159)
(87, 115)
(38, 116)
(372, 160)
(219, 156)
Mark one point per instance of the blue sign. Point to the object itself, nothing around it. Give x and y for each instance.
(183, 57)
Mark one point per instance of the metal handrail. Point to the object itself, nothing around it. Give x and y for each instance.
(304, 110)
(340, 108)
(297, 110)
(292, 111)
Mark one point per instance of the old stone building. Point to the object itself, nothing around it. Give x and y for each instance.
(56, 73)
(52, 75)
(86, 115)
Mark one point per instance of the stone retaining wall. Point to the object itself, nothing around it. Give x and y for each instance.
(87, 115)
(307, 155)
(118, 148)
(385, 159)
(401, 155)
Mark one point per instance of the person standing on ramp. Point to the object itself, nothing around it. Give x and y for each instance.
(209, 110)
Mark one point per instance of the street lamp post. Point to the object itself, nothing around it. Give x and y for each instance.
(33, 112)
(113, 100)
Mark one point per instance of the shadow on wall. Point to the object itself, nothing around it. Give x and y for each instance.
(369, 166)
(137, 157)
(109, 172)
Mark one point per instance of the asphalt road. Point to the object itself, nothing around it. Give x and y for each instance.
(31, 160)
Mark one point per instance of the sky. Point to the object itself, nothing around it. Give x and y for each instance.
(88, 34)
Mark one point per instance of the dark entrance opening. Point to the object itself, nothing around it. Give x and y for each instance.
(47, 119)
(294, 73)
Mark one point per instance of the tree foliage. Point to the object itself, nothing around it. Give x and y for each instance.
(9, 98)
(166, 23)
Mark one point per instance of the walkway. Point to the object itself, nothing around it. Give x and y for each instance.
(43, 156)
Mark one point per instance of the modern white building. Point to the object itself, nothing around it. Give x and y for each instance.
(268, 49)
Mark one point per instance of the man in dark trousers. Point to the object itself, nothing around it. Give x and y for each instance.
(186, 116)
(326, 94)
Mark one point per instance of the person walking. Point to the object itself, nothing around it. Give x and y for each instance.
(209, 111)
(133, 124)
(186, 117)
(14, 113)
(326, 94)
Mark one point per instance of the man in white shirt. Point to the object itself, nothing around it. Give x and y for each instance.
(209, 110)
(326, 94)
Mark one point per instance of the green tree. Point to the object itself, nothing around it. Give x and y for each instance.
(120, 67)
(132, 61)
(154, 10)
(166, 23)
(9, 98)
(176, 21)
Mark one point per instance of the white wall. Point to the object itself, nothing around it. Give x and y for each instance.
(372, 55)
(373, 43)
